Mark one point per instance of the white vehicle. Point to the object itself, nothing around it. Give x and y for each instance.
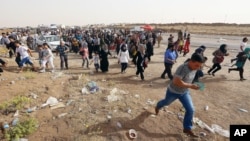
(52, 40)
(53, 26)
(137, 28)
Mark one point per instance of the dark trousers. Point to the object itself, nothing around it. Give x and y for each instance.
(199, 73)
(215, 68)
(134, 59)
(117, 49)
(168, 70)
(2, 61)
(97, 48)
(64, 60)
(75, 49)
(97, 66)
(11, 53)
(149, 58)
(90, 52)
(140, 71)
(241, 70)
(124, 66)
(85, 60)
(30, 45)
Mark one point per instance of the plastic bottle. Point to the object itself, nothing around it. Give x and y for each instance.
(62, 115)
(6, 125)
(119, 124)
(69, 102)
(129, 111)
(15, 121)
(220, 131)
(30, 110)
(16, 114)
(206, 108)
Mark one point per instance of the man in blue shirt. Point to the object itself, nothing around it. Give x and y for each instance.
(63, 50)
(169, 59)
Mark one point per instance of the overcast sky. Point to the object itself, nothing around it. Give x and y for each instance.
(83, 12)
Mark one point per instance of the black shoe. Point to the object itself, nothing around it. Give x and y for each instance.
(242, 79)
(190, 133)
(157, 111)
(213, 74)
(163, 77)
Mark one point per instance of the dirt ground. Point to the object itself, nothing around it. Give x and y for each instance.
(90, 117)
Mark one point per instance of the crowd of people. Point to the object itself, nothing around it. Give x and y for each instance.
(187, 75)
(138, 47)
(89, 44)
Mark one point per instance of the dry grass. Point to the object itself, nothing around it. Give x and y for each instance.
(4, 30)
(202, 28)
(3, 51)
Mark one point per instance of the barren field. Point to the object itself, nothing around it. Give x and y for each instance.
(198, 28)
(123, 101)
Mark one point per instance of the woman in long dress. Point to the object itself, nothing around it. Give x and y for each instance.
(104, 63)
(142, 61)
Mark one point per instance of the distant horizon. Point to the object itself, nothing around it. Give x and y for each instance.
(188, 23)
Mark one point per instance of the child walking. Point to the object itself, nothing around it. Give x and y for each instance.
(47, 58)
(96, 61)
(40, 54)
(85, 54)
(123, 58)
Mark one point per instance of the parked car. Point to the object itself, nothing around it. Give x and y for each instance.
(52, 40)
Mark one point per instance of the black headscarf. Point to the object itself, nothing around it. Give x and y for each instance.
(223, 48)
(123, 48)
(203, 47)
(170, 46)
(200, 50)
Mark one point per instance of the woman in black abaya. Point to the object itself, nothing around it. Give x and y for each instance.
(104, 63)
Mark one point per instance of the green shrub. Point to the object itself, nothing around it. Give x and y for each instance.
(17, 102)
(22, 129)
